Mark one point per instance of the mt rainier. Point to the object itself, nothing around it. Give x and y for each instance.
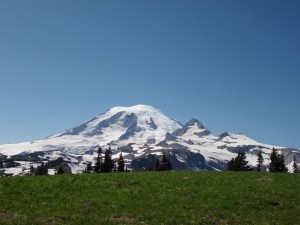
(141, 133)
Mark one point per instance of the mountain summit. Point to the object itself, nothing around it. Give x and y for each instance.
(121, 125)
(141, 133)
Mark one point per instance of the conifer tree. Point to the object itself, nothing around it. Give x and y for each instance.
(108, 163)
(260, 161)
(165, 163)
(88, 168)
(41, 170)
(281, 164)
(121, 164)
(274, 161)
(31, 171)
(239, 163)
(277, 162)
(60, 170)
(157, 165)
(231, 165)
(295, 166)
(98, 164)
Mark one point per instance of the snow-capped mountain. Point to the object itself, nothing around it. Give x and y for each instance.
(141, 133)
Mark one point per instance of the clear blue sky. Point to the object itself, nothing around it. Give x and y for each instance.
(234, 65)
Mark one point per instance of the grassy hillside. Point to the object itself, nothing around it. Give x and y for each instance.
(152, 198)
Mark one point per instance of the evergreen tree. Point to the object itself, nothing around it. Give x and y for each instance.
(31, 171)
(41, 170)
(88, 168)
(231, 165)
(277, 162)
(98, 164)
(281, 164)
(121, 164)
(274, 161)
(165, 164)
(239, 163)
(295, 167)
(260, 161)
(60, 170)
(157, 165)
(108, 163)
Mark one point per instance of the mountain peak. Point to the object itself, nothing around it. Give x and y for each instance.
(224, 134)
(194, 122)
(194, 126)
(134, 108)
(126, 124)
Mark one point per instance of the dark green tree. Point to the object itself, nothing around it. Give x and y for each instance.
(108, 163)
(231, 165)
(260, 161)
(88, 168)
(41, 170)
(295, 166)
(281, 164)
(98, 164)
(165, 163)
(31, 171)
(157, 165)
(277, 162)
(121, 164)
(60, 170)
(239, 163)
(273, 161)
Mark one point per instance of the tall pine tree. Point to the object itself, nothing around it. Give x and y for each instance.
(108, 163)
(31, 170)
(260, 161)
(60, 170)
(165, 163)
(281, 164)
(88, 168)
(277, 162)
(98, 164)
(239, 163)
(295, 166)
(157, 165)
(121, 164)
(273, 161)
(41, 170)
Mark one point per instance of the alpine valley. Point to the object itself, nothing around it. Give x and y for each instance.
(141, 133)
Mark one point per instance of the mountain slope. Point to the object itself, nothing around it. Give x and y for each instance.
(141, 133)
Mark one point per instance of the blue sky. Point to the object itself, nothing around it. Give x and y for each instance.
(234, 65)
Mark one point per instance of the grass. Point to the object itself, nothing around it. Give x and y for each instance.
(152, 198)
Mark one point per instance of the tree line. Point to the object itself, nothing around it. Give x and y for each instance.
(42, 169)
(108, 165)
(239, 163)
(101, 165)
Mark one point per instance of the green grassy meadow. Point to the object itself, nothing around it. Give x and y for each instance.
(152, 198)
